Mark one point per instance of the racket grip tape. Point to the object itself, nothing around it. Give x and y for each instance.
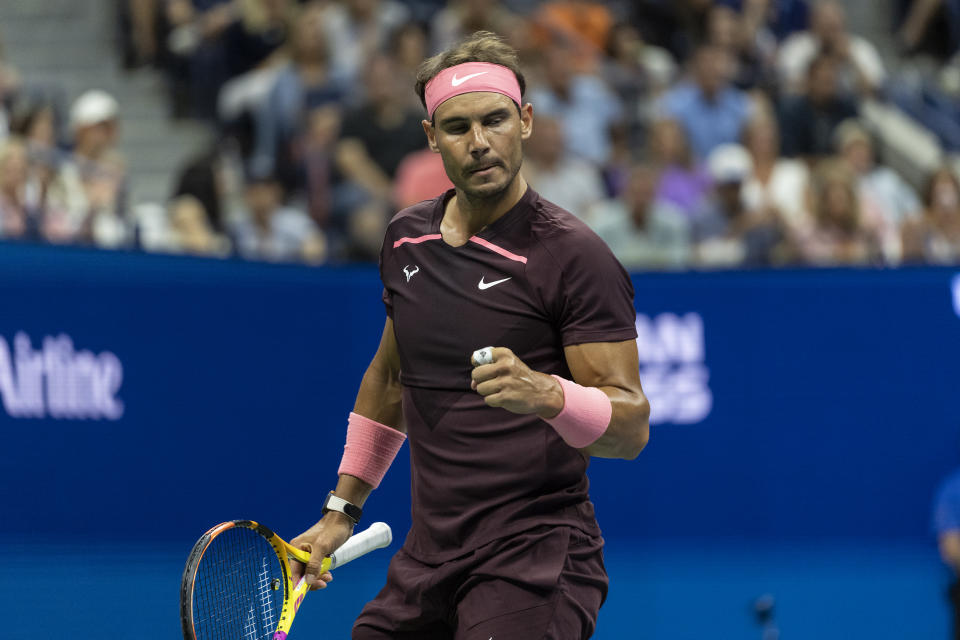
(376, 536)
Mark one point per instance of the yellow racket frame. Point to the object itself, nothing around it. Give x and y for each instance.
(293, 594)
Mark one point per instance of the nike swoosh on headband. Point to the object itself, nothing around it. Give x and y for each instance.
(455, 81)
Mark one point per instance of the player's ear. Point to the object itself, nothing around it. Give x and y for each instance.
(526, 121)
(431, 136)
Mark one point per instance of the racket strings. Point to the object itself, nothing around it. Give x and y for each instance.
(238, 589)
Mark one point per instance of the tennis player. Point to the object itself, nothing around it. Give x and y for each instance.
(504, 542)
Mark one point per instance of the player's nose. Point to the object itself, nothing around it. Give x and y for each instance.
(478, 140)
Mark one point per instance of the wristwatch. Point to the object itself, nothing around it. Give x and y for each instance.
(333, 503)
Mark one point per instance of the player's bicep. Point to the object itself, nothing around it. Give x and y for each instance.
(605, 364)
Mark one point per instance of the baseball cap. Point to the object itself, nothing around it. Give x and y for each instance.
(93, 107)
(728, 163)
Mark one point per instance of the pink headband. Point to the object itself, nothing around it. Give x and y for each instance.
(468, 77)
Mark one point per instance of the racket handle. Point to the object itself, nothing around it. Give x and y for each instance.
(376, 536)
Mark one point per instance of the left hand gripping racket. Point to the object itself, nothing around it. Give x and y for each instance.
(237, 584)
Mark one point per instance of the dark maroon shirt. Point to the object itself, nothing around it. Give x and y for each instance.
(536, 280)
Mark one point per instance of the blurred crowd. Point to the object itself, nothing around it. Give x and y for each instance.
(686, 133)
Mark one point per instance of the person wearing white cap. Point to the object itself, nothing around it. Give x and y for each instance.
(87, 194)
(728, 233)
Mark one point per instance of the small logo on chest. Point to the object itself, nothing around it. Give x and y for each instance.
(407, 272)
(486, 285)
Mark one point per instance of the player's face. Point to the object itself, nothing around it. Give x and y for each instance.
(479, 136)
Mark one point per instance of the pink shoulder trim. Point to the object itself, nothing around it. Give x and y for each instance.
(417, 240)
(496, 249)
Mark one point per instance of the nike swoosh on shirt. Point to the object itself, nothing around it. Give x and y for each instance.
(486, 285)
(455, 81)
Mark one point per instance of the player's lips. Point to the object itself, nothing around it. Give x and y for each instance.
(483, 168)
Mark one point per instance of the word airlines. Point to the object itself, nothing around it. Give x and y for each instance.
(58, 382)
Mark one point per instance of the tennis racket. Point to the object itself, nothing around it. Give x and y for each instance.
(237, 584)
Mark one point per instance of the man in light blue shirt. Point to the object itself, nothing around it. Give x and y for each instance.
(711, 111)
(583, 103)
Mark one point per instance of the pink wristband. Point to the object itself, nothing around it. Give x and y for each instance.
(370, 449)
(585, 415)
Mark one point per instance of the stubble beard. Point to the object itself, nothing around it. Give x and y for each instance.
(485, 194)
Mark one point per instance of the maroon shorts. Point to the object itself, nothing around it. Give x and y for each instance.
(544, 584)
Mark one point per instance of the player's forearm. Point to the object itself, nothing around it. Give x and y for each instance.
(629, 428)
(352, 489)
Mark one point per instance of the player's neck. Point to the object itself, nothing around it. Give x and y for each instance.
(465, 217)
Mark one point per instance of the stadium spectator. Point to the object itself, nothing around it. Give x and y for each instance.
(930, 26)
(783, 17)
(642, 231)
(861, 68)
(18, 220)
(409, 45)
(652, 68)
(196, 28)
(139, 31)
(265, 229)
(749, 44)
(557, 175)
(838, 236)
(683, 182)
(726, 231)
(379, 133)
(202, 180)
(711, 111)
(376, 136)
(808, 120)
(935, 237)
(358, 29)
(87, 196)
(232, 38)
(583, 26)
(583, 103)
(319, 143)
(460, 18)
(190, 231)
(304, 84)
(420, 176)
(10, 85)
(776, 184)
(36, 124)
(885, 193)
(675, 26)
(639, 73)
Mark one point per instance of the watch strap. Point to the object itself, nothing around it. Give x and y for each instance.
(336, 503)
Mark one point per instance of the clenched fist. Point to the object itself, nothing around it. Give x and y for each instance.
(509, 383)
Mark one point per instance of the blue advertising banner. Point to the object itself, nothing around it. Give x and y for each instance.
(801, 423)
(153, 396)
